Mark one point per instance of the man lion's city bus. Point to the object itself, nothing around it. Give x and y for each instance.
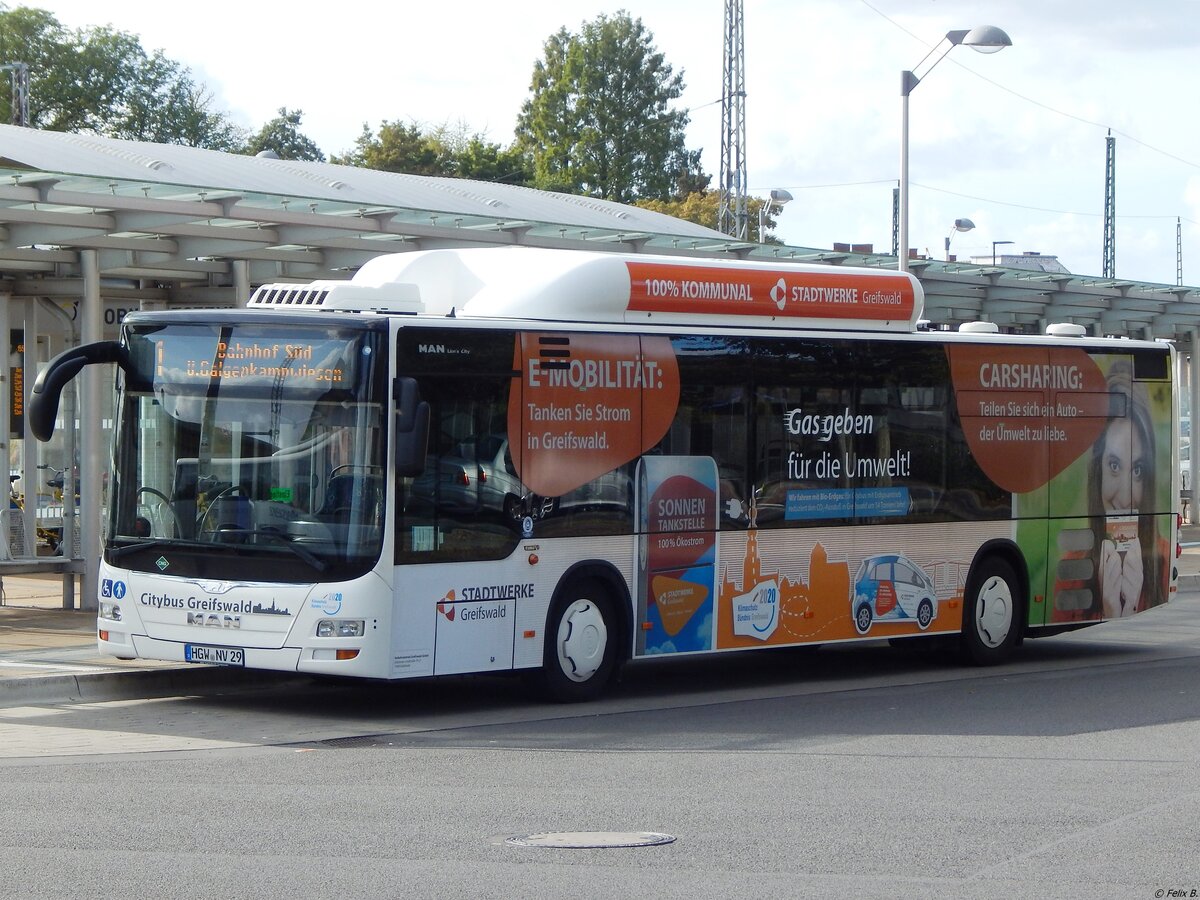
(484, 460)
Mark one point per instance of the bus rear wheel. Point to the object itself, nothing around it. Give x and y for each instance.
(580, 653)
(991, 613)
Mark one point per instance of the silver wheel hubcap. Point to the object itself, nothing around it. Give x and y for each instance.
(582, 639)
(994, 612)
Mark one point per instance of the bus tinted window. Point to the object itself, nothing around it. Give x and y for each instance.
(904, 389)
(712, 419)
(470, 501)
(802, 387)
(465, 504)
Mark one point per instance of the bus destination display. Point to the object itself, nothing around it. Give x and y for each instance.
(190, 357)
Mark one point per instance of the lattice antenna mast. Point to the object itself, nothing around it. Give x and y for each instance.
(731, 214)
(1110, 206)
(1178, 250)
(896, 222)
(19, 73)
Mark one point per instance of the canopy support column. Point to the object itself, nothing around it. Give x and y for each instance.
(92, 443)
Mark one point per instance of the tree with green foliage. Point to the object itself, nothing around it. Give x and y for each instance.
(282, 136)
(102, 81)
(397, 148)
(599, 121)
(445, 151)
(701, 207)
(483, 160)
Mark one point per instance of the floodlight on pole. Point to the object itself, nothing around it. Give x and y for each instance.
(984, 39)
(778, 197)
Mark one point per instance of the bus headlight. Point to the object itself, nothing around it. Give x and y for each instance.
(342, 628)
(110, 611)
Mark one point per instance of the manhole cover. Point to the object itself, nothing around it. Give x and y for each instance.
(590, 840)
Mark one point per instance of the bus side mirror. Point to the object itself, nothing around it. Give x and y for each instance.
(44, 397)
(412, 429)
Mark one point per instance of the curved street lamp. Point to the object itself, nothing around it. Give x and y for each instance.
(959, 225)
(985, 39)
(778, 197)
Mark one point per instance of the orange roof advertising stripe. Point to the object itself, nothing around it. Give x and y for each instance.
(666, 287)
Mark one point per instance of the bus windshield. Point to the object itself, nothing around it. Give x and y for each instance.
(250, 452)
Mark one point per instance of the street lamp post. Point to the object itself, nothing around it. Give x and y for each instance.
(985, 39)
(779, 197)
(996, 244)
(959, 225)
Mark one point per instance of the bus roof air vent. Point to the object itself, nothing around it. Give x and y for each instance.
(1065, 329)
(283, 295)
(979, 328)
(343, 296)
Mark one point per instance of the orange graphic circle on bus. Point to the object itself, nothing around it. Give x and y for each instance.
(588, 404)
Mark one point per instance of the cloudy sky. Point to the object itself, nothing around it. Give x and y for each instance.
(1013, 141)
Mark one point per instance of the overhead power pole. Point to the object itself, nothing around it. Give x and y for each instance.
(1110, 206)
(731, 214)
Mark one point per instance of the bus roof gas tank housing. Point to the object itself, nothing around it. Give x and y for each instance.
(604, 288)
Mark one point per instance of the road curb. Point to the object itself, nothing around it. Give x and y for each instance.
(132, 684)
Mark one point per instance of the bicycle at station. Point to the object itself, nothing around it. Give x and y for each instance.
(48, 534)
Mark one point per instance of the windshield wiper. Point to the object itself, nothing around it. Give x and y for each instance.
(316, 562)
(126, 549)
(313, 560)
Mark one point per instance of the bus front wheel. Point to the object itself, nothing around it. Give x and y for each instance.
(991, 613)
(581, 644)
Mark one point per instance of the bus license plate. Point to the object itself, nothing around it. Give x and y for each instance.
(217, 656)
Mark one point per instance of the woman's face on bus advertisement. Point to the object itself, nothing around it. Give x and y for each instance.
(1123, 467)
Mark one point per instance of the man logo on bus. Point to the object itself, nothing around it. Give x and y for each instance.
(446, 606)
(779, 294)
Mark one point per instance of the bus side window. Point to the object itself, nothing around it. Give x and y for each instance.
(461, 506)
(712, 419)
(901, 389)
(802, 388)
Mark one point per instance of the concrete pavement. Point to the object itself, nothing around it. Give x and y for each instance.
(48, 654)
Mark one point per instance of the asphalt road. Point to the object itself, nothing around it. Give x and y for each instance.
(866, 772)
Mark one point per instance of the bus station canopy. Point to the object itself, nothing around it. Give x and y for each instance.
(175, 225)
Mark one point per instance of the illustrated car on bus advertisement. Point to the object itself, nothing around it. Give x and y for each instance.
(892, 588)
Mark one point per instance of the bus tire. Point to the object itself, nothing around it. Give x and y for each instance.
(580, 655)
(991, 613)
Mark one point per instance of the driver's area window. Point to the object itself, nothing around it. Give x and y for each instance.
(466, 504)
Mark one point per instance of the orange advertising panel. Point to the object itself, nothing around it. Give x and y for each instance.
(587, 404)
(1028, 412)
(664, 287)
(677, 601)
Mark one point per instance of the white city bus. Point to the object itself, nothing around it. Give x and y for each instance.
(487, 460)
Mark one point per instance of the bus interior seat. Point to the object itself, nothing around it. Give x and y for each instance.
(340, 494)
